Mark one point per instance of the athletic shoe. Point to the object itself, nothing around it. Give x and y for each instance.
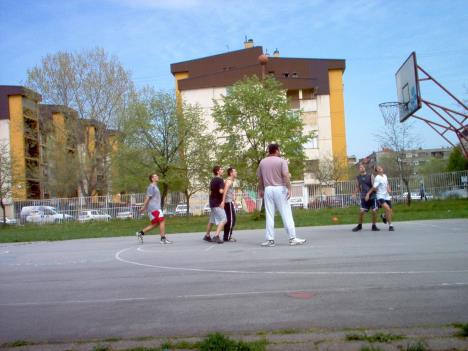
(231, 240)
(207, 238)
(139, 236)
(297, 241)
(374, 228)
(164, 240)
(357, 228)
(384, 220)
(391, 229)
(268, 243)
(217, 240)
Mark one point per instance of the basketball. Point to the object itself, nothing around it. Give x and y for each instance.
(335, 219)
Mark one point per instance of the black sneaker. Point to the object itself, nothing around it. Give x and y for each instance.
(374, 228)
(384, 220)
(391, 229)
(217, 240)
(357, 228)
(165, 240)
(207, 238)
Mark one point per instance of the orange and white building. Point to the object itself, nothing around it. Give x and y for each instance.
(313, 85)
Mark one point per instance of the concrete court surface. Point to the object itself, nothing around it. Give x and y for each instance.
(116, 287)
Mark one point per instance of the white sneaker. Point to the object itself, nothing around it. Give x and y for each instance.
(139, 237)
(297, 241)
(268, 243)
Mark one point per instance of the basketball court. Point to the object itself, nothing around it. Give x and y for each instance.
(116, 287)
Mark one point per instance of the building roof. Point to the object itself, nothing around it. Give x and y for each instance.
(14, 90)
(227, 68)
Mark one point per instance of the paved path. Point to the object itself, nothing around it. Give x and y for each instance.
(115, 287)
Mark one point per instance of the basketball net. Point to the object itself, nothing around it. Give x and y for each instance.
(391, 111)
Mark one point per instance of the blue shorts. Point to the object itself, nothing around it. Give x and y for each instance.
(383, 201)
(371, 204)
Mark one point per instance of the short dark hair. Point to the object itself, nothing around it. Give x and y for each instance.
(272, 148)
(216, 169)
(151, 177)
(229, 170)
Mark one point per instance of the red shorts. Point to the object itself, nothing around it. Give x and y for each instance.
(156, 216)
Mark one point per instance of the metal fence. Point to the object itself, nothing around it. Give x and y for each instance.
(307, 196)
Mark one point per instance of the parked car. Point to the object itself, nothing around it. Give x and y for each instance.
(43, 214)
(296, 202)
(207, 209)
(181, 210)
(455, 194)
(93, 215)
(124, 215)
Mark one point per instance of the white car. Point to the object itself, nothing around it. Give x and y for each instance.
(181, 210)
(124, 215)
(296, 202)
(46, 214)
(93, 215)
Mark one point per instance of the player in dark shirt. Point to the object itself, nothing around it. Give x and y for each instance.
(363, 184)
(217, 213)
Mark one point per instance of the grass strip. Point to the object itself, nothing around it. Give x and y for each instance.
(420, 210)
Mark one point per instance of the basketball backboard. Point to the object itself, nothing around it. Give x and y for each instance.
(407, 84)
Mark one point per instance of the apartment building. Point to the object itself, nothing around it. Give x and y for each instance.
(313, 85)
(31, 130)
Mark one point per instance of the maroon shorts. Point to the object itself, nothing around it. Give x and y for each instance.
(156, 216)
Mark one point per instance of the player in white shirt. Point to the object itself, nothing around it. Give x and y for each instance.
(382, 190)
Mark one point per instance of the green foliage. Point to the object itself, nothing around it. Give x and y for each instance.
(219, 342)
(456, 161)
(371, 348)
(433, 165)
(100, 347)
(378, 337)
(158, 135)
(254, 114)
(17, 343)
(416, 346)
(463, 329)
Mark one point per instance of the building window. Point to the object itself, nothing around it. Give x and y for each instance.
(293, 98)
(312, 143)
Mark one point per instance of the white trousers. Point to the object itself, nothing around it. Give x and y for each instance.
(276, 198)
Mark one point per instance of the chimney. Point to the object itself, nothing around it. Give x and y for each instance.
(248, 43)
(276, 53)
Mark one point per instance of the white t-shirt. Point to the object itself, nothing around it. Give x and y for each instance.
(381, 184)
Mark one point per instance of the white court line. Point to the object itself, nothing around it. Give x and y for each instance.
(119, 258)
(19, 304)
(319, 291)
(4, 252)
(209, 248)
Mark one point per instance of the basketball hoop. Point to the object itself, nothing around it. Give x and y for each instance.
(391, 111)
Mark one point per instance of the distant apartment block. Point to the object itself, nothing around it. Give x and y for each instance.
(28, 128)
(416, 157)
(313, 85)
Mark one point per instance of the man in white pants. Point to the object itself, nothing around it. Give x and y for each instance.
(274, 185)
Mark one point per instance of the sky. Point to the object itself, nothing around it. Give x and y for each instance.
(374, 37)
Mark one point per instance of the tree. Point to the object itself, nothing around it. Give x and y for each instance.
(252, 115)
(456, 161)
(6, 177)
(398, 138)
(153, 137)
(330, 170)
(197, 156)
(97, 87)
(433, 165)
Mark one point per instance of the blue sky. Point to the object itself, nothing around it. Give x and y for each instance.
(373, 36)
